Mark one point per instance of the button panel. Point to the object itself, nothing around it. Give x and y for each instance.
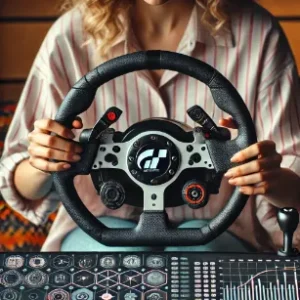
(146, 276)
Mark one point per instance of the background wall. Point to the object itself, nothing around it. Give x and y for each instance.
(24, 23)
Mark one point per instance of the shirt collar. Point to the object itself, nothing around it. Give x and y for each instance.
(195, 32)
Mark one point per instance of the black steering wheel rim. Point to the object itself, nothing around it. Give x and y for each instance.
(226, 98)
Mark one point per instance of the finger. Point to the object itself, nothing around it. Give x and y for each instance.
(77, 123)
(256, 178)
(50, 153)
(254, 166)
(53, 126)
(55, 142)
(264, 148)
(262, 189)
(39, 130)
(47, 166)
(228, 122)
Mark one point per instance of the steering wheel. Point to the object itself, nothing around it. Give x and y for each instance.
(154, 228)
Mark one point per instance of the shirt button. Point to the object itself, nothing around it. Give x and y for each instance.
(191, 45)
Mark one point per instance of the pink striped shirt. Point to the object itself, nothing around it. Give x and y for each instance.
(254, 55)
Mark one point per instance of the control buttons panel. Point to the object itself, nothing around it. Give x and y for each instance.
(147, 276)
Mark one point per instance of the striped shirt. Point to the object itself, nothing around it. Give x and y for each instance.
(254, 55)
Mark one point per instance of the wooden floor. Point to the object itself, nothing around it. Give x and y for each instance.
(24, 23)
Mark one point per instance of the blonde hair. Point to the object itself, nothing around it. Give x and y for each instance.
(103, 20)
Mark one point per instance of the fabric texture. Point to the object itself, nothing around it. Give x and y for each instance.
(16, 232)
(254, 55)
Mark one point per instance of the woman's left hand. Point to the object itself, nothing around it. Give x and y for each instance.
(258, 176)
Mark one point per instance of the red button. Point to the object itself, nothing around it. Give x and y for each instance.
(111, 116)
(207, 135)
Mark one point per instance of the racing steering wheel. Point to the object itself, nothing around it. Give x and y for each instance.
(151, 161)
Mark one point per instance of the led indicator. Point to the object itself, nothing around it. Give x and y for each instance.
(111, 116)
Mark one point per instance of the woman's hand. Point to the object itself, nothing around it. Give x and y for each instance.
(263, 175)
(259, 176)
(43, 147)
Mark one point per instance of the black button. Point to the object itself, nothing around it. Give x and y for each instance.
(153, 196)
(191, 162)
(196, 157)
(112, 194)
(189, 148)
(110, 158)
(102, 149)
(116, 149)
(115, 163)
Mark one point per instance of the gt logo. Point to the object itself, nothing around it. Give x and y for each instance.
(153, 160)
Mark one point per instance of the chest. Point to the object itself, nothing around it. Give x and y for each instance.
(139, 98)
(155, 42)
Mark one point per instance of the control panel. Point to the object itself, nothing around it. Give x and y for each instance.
(148, 276)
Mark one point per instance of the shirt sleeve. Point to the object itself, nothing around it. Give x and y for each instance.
(43, 93)
(278, 119)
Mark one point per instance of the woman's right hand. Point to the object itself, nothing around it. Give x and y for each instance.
(43, 146)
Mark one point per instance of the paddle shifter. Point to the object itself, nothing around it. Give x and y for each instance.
(288, 219)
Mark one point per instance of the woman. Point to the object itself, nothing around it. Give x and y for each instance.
(244, 43)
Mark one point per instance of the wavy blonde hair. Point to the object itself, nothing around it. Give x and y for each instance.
(103, 20)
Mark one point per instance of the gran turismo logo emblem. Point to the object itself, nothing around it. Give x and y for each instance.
(150, 159)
